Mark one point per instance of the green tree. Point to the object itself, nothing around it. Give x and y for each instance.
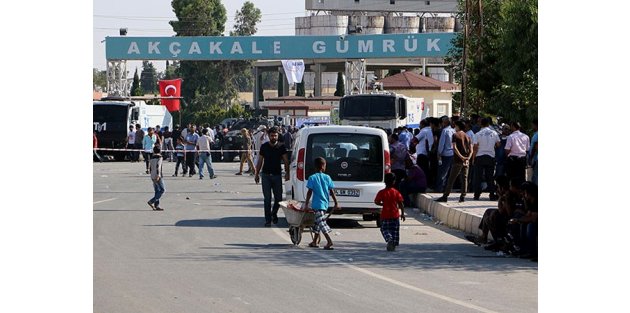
(170, 72)
(136, 90)
(340, 91)
(99, 79)
(245, 25)
(502, 59)
(246, 20)
(148, 77)
(299, 89)
(202, 86)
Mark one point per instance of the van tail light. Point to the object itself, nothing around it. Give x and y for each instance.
(388, 165)
(300, 165)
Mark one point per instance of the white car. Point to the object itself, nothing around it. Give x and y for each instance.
(357, 159)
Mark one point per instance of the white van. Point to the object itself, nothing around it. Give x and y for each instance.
(357, 159)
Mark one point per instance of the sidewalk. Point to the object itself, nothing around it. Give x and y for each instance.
(464, 216)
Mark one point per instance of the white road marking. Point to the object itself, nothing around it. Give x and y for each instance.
(284, 235)
(97, 202)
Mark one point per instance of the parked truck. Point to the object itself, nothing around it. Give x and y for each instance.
(112, 117)
(386, 110)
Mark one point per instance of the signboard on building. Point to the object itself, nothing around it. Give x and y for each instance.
(279, 47)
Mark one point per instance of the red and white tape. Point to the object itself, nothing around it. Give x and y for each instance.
(142, 150)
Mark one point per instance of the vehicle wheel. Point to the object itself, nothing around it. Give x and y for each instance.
(296, 234)
(378, 220)
(368, 217)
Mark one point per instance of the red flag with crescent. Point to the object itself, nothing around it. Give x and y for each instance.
(170, 88)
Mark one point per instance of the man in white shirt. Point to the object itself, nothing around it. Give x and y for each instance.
(131, 140)
(259, 138)
(484, 143)
(516, 149)
(425, 141)
(203, 148)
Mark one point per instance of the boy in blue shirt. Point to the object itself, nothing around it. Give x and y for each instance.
(320, 185)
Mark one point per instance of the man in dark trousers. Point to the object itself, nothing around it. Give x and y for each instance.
(516, 149)
(138, 142)
(268, 166)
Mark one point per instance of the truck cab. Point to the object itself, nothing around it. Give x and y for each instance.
(112, 117)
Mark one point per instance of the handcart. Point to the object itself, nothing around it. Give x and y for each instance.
(298, 218)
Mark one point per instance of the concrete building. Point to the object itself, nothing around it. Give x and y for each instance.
(299, 112)
(438, 95)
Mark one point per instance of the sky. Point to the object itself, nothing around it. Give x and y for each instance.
(150, 18)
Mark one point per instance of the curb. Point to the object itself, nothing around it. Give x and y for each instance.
(457, 218)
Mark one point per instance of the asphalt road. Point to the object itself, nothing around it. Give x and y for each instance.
(209, 252)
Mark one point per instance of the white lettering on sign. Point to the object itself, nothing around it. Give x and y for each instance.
(174, 51)
(388, 45)
(319, 47)
(414, 41)
(432, 44)
(276, 47)
(194, 48)
(133, 48)
(345, 46)
(254, 49)
(366, 46)
(100, 127)
(153, 47)
(236, 47)
(215, 47)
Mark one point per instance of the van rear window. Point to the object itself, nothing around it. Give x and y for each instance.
(349, 157)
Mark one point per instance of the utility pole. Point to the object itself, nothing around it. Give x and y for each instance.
(465, 57)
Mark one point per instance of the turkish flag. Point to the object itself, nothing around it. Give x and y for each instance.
(171, 88)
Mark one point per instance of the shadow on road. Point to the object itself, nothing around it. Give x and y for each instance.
(255, 222)
(430, 256)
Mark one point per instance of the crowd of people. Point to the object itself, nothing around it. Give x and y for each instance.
(447, 153)
(190, 147)
(475, 156)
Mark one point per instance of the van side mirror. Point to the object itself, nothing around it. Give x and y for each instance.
(402, 108)
(135, 114)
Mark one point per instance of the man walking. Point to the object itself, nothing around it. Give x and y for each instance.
(131, 140)
(516, 149)
(484, 143)
(191, 143)
(268, 166)
(203, 148)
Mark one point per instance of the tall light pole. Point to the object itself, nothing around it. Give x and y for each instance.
(465, 57)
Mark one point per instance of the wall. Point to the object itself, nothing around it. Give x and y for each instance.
(431, 98)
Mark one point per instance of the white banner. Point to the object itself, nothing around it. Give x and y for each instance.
(294, 69)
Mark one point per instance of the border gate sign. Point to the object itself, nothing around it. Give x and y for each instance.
(279, 47)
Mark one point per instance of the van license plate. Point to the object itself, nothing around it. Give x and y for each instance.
(347, 192)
